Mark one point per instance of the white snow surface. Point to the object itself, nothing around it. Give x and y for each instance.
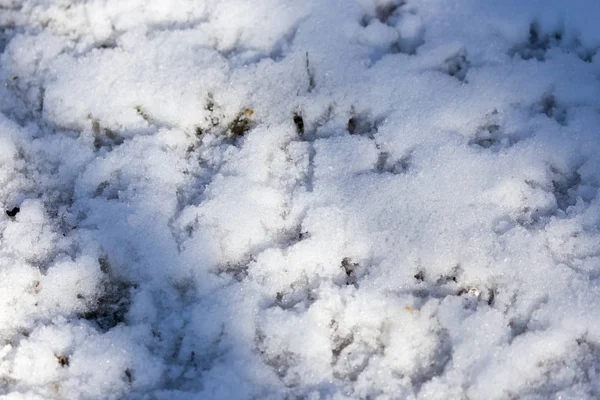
(319, 199)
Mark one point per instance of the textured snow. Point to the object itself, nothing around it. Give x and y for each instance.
(359, 199)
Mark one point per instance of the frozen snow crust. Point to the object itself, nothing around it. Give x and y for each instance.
(357, 199)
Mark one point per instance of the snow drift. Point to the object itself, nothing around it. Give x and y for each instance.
(321, 199)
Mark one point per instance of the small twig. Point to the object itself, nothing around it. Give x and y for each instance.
(311, 77)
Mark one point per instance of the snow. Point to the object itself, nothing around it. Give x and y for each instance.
(321, 199)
